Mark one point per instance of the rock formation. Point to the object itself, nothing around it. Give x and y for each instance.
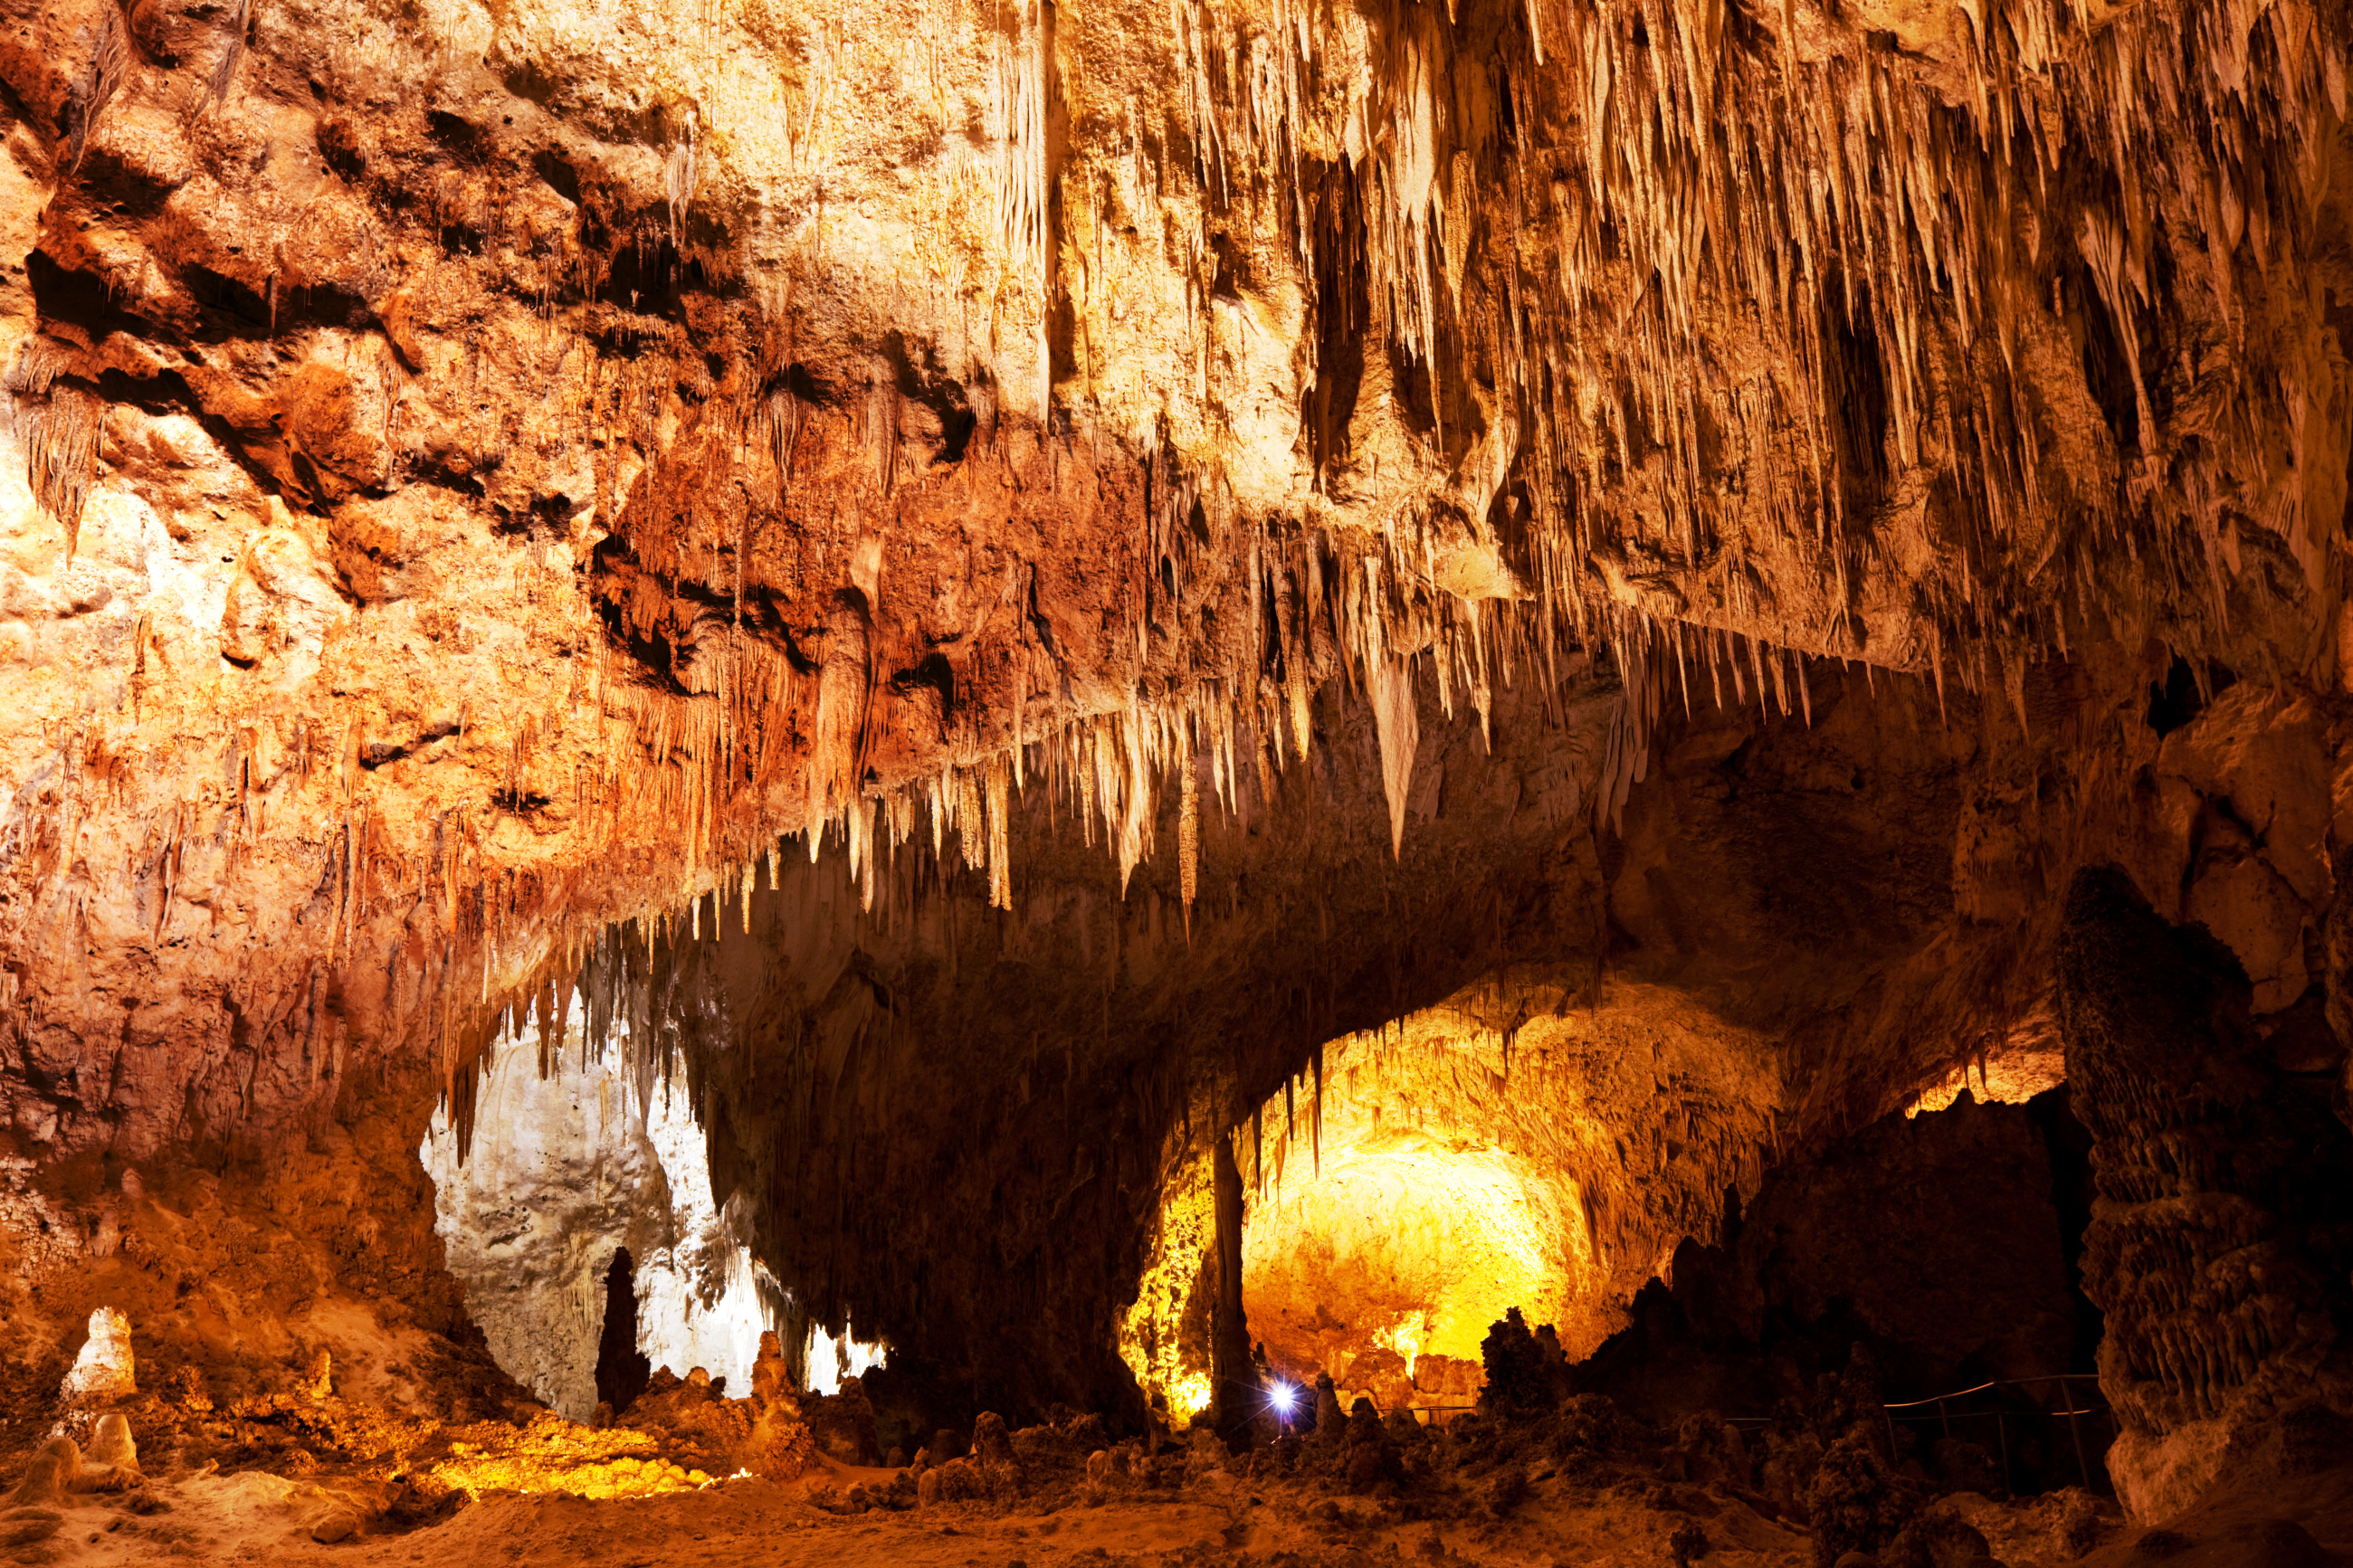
(104, 1369)
(2221, 1249)
(569, 1170)
(1932, 1241)
(984, 594)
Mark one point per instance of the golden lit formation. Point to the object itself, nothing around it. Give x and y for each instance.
(1163, 1336)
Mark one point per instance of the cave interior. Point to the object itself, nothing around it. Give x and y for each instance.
(1253, 785)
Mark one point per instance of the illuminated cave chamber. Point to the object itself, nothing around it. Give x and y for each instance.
(1506, 1150)
(1390, 1223)
(580, 1201)
(2027, 1059)
(1610, 1164)
(1382, 1256)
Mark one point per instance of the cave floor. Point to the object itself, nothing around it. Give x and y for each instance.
(1217, 1521)
(258, 1517)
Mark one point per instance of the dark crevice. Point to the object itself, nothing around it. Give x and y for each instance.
(622, 1373)
(2185, 693)
(1342, 308)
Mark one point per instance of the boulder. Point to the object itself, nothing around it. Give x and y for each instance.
(992, 1451)
(780, 1446)
(958, 1480)
(26, 1526)
(842, 1425)
(1205, 1453)
(770, 1378)
(334, 1528)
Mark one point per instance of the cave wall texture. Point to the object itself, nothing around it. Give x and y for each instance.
(1212, 527)
(2221, 1238)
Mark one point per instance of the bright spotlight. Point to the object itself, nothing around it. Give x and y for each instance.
(1284, 1397)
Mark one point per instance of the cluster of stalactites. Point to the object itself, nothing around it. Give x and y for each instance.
(1857, 215)
(1316, 612)
(1867, 190)
(1379, 1071)
(1110, 770)
(1862, 190)
(593, 983)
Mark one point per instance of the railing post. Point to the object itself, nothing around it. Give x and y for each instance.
(2001, 1434)
(2075, 1430)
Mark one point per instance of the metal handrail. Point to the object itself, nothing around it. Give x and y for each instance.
(1998, 1382)
(1943, 1416)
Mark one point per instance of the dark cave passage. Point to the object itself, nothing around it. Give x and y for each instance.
(622, 1370)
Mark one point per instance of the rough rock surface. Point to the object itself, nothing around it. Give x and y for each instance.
(479, 448)
(1514, 1146)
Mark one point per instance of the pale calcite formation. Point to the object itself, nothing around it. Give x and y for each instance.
(104, 1369)
(564, 1171)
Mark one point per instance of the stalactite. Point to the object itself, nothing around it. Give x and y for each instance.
(1189, 841)
(1912, 242)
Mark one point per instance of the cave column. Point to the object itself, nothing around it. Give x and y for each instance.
(2219, 1242)
(1236, 1398)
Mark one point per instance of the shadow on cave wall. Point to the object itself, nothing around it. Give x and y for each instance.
(1939, 1249)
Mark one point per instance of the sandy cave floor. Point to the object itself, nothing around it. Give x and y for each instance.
(257, 1518)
